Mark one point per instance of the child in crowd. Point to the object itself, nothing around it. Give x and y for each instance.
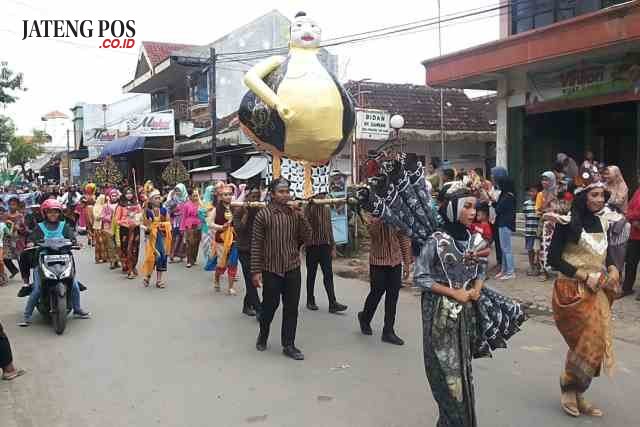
(531, 224)
(482, 224)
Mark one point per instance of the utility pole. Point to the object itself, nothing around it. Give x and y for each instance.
(68, 159)
(212, 105)
(443, 153)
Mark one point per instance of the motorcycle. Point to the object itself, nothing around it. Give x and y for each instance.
(57, 270)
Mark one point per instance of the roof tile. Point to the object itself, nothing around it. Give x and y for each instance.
(159, 51)
(420, 105)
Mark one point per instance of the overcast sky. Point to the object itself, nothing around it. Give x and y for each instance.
(58, 75)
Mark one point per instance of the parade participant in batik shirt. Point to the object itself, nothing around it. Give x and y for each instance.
(224, 250)
(158, 242)
(321, 250)
(128, 217)
(589, 282)
(279, 231)
(243, 219)
(389, 259)
(108, 228)
(175, 199)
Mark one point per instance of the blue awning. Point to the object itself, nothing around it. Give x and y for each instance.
(122, 146)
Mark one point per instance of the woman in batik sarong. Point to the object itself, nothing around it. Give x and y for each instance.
(223, 246)
(100, 250)
(128, 216)
(190, 226)
(206, 205)
(107, 216)
(15, 238)
(448, 317)
(546, 203)
(175, 199)
(89, 201)
(582, 250)
(158, 225)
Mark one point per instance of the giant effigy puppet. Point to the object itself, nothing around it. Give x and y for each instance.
(297, 111)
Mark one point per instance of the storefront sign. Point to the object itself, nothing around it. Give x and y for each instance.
(372, 124)
(95, 150)
(189, 128)
(586, 80)
(99, 136)
(151, 124)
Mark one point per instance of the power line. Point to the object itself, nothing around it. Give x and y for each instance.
(373, 34)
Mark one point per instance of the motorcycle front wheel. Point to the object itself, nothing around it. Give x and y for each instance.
(59, 316)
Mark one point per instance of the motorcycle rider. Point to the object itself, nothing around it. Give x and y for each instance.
(53, 227)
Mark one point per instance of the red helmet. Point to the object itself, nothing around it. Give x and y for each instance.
(50, 204)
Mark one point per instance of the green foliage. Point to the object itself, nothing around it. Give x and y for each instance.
(175, 173)
(7, 133)
(108, 174)
(9, 82)
(23, 152)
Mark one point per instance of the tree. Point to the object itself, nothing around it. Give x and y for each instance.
(175, 173)
(108, 174)
(7, 132)
(9, 82)
(23, 152)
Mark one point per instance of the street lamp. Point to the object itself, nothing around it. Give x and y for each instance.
(397, 122)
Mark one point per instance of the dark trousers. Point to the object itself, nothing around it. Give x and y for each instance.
(5, 350)
(25, 262)
(320, 255)
(251, 298)
(8, 262)
(273, 288)
(496, 240)
(631, 264)
(383, 280)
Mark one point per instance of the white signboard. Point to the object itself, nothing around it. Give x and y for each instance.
(151, 124)
(95, 150)
(104, 123)
(372, 124)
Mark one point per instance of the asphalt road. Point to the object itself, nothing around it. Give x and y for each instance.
(185, 356)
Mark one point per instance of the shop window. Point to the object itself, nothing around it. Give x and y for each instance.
(200, 89)
(159, 101)
(529, 14)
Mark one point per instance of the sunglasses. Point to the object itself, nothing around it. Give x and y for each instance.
(227, 194)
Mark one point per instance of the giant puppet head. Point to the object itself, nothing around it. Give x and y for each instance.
(305, 32)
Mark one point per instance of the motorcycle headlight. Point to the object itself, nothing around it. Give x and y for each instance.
(67, 272)
(49, 274)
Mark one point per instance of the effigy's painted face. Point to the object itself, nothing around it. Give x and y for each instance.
(305, 33)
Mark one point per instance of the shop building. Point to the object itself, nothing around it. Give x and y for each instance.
(567, 77)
